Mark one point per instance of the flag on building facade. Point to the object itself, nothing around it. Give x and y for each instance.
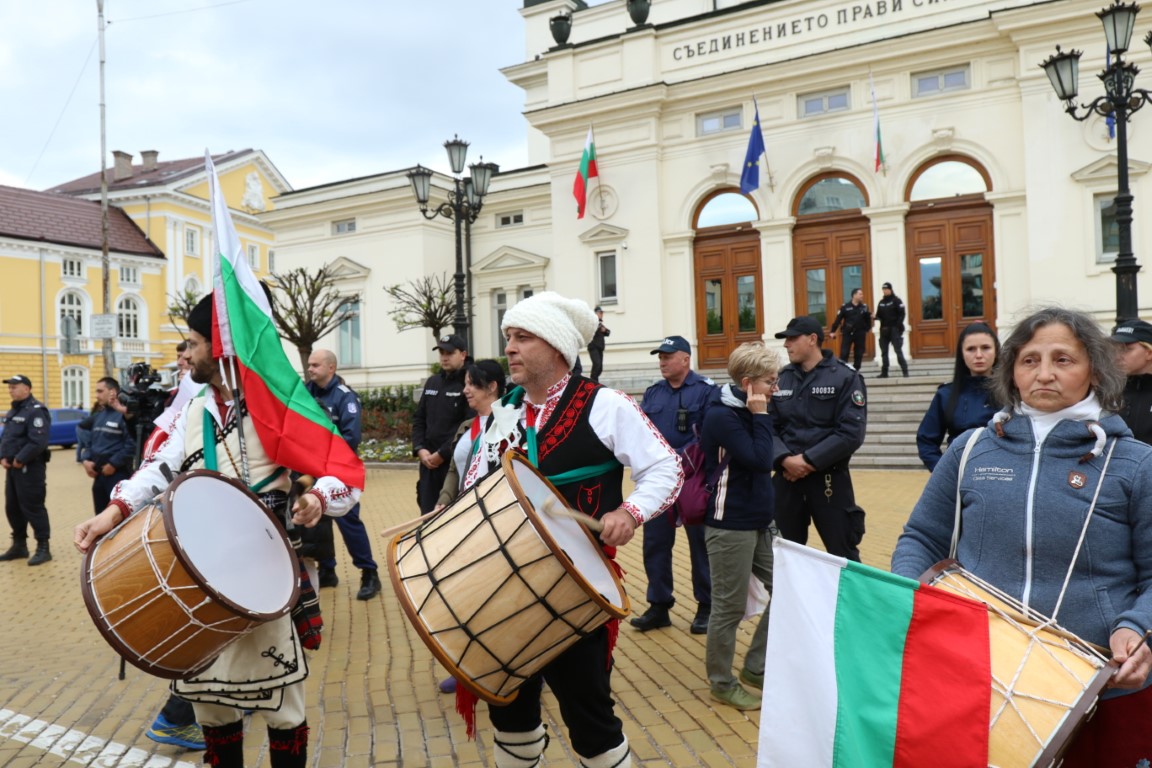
(585, 174)
(878, 152)
(294, 430)
(865, 668)
(750, 175)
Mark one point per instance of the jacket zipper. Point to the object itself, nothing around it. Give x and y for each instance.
(1028, 524)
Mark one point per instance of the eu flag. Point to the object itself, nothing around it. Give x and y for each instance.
(750, 176)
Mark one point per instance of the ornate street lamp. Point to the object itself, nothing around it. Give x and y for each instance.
(1121, 99)
(463, 205)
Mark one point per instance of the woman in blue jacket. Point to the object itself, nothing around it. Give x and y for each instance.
(737, 443)
(1055, 509)
(964, 403)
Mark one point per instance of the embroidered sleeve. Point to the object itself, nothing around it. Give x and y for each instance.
(137, 490)
(336, 497)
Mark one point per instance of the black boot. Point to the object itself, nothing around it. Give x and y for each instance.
(904, 368)
(224, 745)
(43, 554)
(288, 747)
(654, 618)
(18, 550)
(369, 584)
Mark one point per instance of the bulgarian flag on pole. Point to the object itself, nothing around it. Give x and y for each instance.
(865, 668)
(878, 153)
(294, 430)
(584, 176)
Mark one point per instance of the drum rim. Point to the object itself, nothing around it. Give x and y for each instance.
(178, 548)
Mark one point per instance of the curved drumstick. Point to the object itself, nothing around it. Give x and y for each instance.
(553, 507)
(300, 486)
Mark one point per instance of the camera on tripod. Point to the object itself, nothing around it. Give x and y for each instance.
(141, 394)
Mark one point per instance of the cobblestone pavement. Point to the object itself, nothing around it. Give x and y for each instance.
(372, 692)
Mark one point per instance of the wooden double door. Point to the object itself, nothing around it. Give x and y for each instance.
(729, 293)
(830, 260)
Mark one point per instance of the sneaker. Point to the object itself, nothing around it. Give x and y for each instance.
(752, 679)
(700, 623)
(328, 578)
(654, 618)
(369, 585)
(737, 698)
(186, 736)
(448, 685)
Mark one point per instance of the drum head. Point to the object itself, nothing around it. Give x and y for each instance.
(573, 538)
(230, 541)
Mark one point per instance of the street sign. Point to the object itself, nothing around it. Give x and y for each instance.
(122, 360)
(103, 326)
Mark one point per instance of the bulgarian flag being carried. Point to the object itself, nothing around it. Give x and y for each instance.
(294, 430)
(865, 668)
(585, 174)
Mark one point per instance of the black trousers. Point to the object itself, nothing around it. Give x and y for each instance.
(581, 679)
(597, 355)
(428, 486)
(896, 339)
(102, 487)
(853, 339)
(24, 493)
(178, 711)
(825, 498)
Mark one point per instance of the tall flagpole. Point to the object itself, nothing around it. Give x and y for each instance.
(105, 343)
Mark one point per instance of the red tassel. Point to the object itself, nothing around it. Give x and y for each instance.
(466, 705)
(613, 627)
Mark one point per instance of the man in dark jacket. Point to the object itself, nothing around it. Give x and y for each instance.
(111, 447)
(441, 409)
(23, 452)
(819, 419)
(890, 315)
(596, 346)
(857, 321)
(1135, 359)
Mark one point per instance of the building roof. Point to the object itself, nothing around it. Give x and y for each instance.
(26, 214)
(162, 173)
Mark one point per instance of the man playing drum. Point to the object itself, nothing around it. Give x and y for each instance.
(282, 696)
(580, 435)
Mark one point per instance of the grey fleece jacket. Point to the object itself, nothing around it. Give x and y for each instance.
(1022, 513)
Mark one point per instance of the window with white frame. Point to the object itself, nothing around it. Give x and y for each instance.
(74, 380)
(72, 268)
(719, 121)
(499, 307)
(130, 275)
(941, 81)
(254, 256)
(191, 241)
(344, 227)
(71, 306)
(1107, 231)
(606, 276)
(512, 219)
(823, 102)
(128, 318)
(349, 335)
(271, 260)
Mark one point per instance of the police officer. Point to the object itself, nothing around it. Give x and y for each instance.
(441, 409)
(675, 405)
(596, 346)
(108, 456)
(343, 407)
(819, 418)
(890, 315)
(857, 321)
(23, 452)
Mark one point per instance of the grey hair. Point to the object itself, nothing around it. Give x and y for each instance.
(1107, 380)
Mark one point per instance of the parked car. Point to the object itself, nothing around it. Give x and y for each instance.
(64, 423)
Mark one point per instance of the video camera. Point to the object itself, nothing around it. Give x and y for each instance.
(142, 396)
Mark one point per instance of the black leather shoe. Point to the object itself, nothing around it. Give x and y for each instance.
(328, 578)
(42, 555)
(18, 551)
(369, 585)
(883, 375)
(654, 618)
(700, 623)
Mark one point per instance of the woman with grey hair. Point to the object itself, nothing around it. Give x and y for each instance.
(1055, 465)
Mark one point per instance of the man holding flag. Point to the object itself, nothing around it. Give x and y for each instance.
(255, 408)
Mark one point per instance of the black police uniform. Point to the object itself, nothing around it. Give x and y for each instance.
(820, 415)
(857, 320)
(25, 440)
(596, 350)
(890, 313)
(441, 409)
(1137, 410)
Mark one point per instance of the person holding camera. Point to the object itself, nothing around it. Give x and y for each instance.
(23, 453)
(676, 406)
(111, 447)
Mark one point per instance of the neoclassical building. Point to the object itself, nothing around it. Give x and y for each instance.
(990, 199)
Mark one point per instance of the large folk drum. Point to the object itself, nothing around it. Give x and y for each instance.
(497, 587)
(202, 565)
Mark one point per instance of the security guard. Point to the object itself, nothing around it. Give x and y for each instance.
(890, 314)
(819, 417)
(23, 452)
(857, 321)
(108, 456)
(441, 409)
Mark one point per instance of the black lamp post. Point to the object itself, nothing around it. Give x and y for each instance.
(465, 200)
(1121, 99)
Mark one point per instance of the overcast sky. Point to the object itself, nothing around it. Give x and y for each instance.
(329, 90)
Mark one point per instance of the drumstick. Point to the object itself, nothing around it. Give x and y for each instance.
(300, 486)
(405, 527)
(553, 507)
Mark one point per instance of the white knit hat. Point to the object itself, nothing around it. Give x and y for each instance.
(566, 324)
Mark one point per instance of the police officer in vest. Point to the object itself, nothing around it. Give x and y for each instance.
(819, 418)
(23, 453)
(890, 314)
(857, 321)
(108, 456)
(441, 409)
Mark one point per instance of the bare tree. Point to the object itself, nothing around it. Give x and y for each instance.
(307, 307)
(179, 305)
(427, 302)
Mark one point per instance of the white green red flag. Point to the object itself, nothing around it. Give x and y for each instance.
(878, 152)
(866, 668)
(294, 430)
(585, 174)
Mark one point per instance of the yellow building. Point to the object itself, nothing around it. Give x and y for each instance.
(161, 248)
